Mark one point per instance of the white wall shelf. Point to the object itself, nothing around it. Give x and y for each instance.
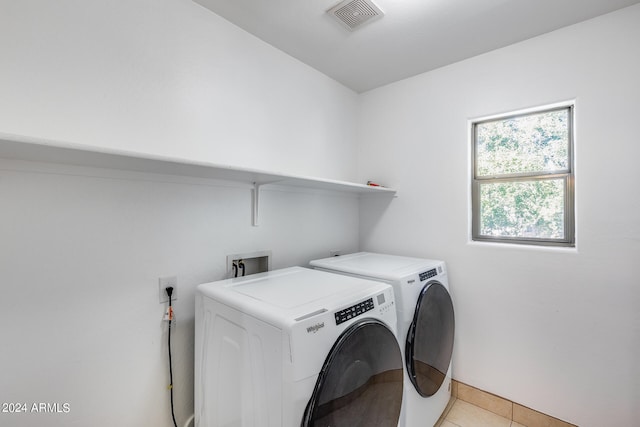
(39, 150)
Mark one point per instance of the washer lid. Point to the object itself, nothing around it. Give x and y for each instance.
(292, 288)
(360, 384)
(429, 343)
(381, 266)
(282, 296)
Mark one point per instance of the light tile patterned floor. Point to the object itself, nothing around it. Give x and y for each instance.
(463, 414)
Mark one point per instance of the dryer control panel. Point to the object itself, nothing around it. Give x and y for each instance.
(353, 311)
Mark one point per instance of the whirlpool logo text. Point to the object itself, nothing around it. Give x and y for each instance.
(314, 328)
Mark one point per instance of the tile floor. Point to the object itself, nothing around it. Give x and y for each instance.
(464, 414)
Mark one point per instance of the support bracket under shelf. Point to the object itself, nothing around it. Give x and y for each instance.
(255, 201)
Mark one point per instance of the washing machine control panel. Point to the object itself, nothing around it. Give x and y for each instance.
(428, 274)
(353, 311)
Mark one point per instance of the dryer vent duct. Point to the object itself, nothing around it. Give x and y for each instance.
(353, 14)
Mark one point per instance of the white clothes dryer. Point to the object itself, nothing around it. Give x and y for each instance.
(297, 347)
(426, 325)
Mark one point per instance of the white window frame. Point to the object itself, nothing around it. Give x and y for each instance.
(567, 175)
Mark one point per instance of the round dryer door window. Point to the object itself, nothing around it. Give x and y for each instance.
(360, 384)
(430, 339)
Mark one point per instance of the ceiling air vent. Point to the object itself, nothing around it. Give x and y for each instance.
(352, 14)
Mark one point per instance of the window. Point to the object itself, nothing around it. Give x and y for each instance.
(522, 190)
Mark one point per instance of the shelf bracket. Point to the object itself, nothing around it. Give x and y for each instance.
(255, 199)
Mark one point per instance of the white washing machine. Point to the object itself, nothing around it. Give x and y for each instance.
(426, 325)
(297, 347)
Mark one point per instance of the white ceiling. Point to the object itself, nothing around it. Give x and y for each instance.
(414, 36)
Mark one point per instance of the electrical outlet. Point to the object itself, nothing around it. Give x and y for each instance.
(163, 284)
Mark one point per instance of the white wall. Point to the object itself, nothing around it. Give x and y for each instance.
(168, 77)
(555, 330)
(82, 249)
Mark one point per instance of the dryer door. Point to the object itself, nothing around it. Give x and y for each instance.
(430, 339)
(361, 381)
